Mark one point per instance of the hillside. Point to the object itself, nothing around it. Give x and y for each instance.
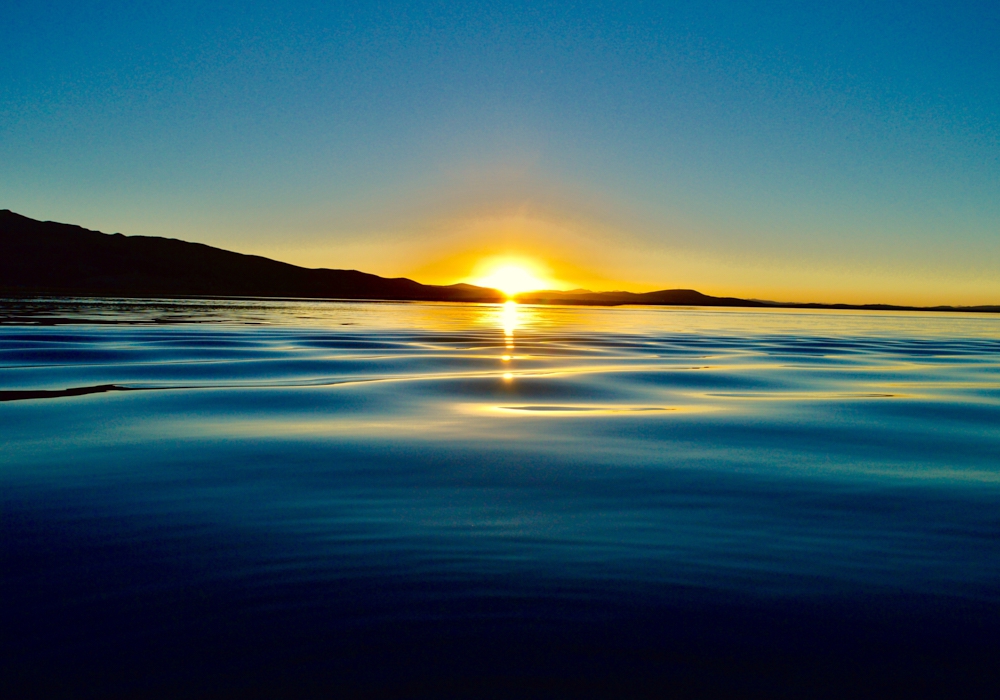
(49, 258)
(44, 257)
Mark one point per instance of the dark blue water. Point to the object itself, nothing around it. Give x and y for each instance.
(422, 500)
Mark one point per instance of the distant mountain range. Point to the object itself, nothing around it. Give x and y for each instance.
(49, 258)
(689, 297)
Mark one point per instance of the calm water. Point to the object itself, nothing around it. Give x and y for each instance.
(427, 500)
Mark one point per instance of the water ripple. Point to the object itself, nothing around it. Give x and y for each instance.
(301, 472)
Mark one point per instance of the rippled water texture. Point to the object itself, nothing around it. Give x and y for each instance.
(428, 500)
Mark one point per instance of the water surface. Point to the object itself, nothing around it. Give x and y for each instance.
(429, 499)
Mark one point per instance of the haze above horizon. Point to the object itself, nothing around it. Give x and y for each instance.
(847, 153)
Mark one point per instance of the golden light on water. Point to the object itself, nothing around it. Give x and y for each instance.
(508, 319)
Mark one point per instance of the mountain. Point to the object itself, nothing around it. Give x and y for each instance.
(44, 257)
(689, 297)
(664, 297)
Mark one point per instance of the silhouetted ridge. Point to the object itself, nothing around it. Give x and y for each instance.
(44, 257)
(48, 257)
(664, 297)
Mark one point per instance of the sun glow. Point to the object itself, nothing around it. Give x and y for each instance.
(512, 279)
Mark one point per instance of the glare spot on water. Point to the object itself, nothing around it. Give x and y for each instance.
(509, 319)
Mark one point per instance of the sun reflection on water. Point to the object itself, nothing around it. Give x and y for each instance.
(508, 319)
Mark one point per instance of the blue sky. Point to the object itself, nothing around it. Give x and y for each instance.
(837, 151)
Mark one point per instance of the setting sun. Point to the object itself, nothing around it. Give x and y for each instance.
(512, 279)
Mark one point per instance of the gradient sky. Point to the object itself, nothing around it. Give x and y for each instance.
(840, 151)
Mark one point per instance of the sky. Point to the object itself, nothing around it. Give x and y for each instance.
(837, 152)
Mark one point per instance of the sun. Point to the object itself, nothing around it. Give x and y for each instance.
(512, 280)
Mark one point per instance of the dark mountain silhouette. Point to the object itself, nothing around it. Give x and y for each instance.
(689, 297)
(44, 257)
(664, 297)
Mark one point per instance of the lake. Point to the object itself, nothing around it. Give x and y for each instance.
(292, 498)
